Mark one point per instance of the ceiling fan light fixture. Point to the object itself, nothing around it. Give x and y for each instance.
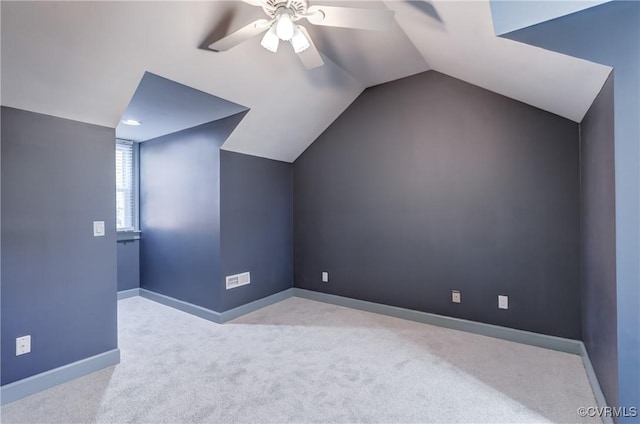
(299, 41)
(280, 25)
(270, 41)
(284, 26)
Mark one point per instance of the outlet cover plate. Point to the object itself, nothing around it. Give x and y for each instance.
(455, 296)
(23, 345)
(325, 277)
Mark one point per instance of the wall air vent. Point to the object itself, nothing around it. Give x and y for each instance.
(238, 280)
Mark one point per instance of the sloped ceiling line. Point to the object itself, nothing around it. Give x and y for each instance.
(77, 60)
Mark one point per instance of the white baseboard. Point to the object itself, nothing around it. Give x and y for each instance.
(593, 381)
(255, 305)
(125, 294)
(181, 305)
(490, 330)
(211, 315)
(36, 383)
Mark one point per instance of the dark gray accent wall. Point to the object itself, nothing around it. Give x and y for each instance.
(58, 281)
(598, 218)
(610, 34)
(180, 213)
(429, 184)
(256, 200)
(128, 264)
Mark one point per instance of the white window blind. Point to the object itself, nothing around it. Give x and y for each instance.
(125, 205)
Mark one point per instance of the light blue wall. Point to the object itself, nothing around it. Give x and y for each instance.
(516, 14)
(256, 226)
(128, 264)
(58, 280)
(207, 213)
(610, 34)
(598, 240)
(180, 213)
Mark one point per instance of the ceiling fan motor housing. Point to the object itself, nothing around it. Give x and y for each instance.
(296, 7)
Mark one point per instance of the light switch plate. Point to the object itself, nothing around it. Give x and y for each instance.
(98, 228)
(503, 302)
(23, 345)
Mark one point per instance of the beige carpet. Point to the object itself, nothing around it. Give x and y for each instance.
(305, 361)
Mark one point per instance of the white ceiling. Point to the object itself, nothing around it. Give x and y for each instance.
(84, 60)
(465, 47)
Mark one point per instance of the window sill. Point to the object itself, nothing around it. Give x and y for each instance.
(128, 235)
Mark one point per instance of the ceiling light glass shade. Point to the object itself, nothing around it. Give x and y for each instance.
(270, 41)
(285, 27)
(299, 41)
(132, 122)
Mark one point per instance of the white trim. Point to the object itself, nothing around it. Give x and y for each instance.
(490, 330)
(127, 236)
(36, 383)
(255, 305)
(593, 381)
(211, 315)
(181, 305)
(136, 187)
(135, 191)
(125, 294)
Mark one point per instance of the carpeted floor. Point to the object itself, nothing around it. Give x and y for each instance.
(304, 361)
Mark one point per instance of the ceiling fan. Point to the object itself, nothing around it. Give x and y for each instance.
(282, 25)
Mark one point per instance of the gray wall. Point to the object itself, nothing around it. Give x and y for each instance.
(610, 34)
(180, 213)
(256, 225)
(128, 264)
(598, 253)
(58, 281)
(429, 184)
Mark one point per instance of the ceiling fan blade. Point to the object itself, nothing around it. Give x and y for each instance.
(347, 17)
(243, 34)
(310, 57)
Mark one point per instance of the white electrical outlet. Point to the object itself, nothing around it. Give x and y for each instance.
(98, 228)
(23, 345)
(455, 296)
(325, 277)
(503, 302)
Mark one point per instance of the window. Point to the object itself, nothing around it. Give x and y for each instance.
(125, 186)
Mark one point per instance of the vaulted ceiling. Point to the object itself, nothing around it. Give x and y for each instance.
(84, 60)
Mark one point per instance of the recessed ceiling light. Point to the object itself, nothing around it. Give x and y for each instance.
(131, 122)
